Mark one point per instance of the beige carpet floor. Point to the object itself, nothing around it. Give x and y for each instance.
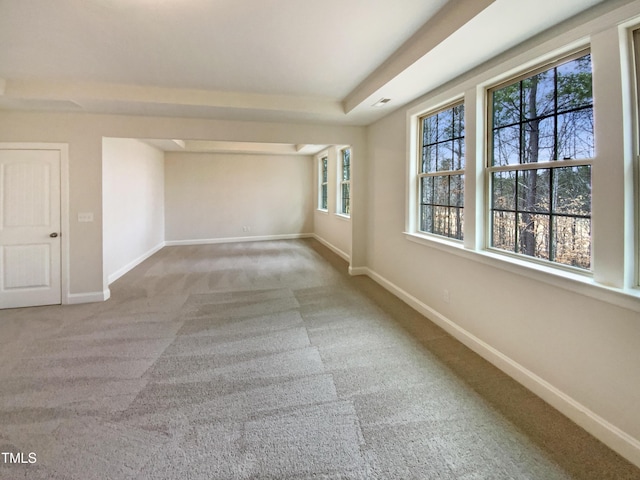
(267, 361)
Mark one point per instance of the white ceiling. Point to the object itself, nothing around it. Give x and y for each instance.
(286, 47)
(275, 60)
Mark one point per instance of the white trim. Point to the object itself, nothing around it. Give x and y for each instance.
(320, 170)
(65, 263)
(563, 277)
(597, 426)
(630, 44)
(414, 117)
(134, 263)
(354, 271)
(339, 181)
(211, 241)
(65, 224)
(333, 248)
(90, 297)
(343, 217)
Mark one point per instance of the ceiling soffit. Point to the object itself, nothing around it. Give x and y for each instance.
(423, 62)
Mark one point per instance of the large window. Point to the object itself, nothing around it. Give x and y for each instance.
(345, 182)
(323, 182)
(541, 150)
(636, 50)
(441, 172)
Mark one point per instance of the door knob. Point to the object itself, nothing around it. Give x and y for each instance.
(53, 235)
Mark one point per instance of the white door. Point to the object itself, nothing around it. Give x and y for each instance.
(30, 249)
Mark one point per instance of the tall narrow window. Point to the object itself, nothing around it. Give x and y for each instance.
(636, 49)
(441, 172)
(541, 150)
(345, 182)
(323, 177)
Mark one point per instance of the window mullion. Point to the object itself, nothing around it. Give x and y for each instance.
(552, 253)
(540, 165)
(516, 236)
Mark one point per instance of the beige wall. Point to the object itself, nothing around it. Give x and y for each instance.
(133, 203)
(215, 196)
(85, 280)
(575, 344)
(84, 133)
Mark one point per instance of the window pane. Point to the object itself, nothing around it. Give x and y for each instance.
(430, 130)
(441, 221)
(575, 135)
(563, 236)
(538, 94)
(572, 241)
(426, 190)
(575, 84)
(323, 204)
(445, 125)
(426, 218)
(458, 121)
(555, 117)
(533, 235)
(539, 138)
(324, 170)
(503, 231)
(456, 190)
(458, 154)
(346, 164)
(506, 105)
(346, 198)
(572, 190)
(504, 190)
(506, 146)
(456, 219)
(533, 190)
(445, 156)
(429, 157)
(441, 190)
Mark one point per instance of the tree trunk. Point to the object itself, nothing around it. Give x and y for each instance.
(527, 226)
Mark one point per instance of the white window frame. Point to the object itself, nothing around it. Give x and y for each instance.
(323, 182)
(341, 182)
(412, 211)
(634, 93)
(420, 175)
(489, 169)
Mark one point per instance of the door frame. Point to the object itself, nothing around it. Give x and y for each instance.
(63, 149)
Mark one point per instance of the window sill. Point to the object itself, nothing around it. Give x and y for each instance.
(434, 241)
(342, 216)
(323, 212)
(574, 281)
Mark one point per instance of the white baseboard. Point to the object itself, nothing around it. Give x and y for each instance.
(333, 248)
(609, 434)
(354, 271)
(211, 241)
(134, 263)
(89, 297)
